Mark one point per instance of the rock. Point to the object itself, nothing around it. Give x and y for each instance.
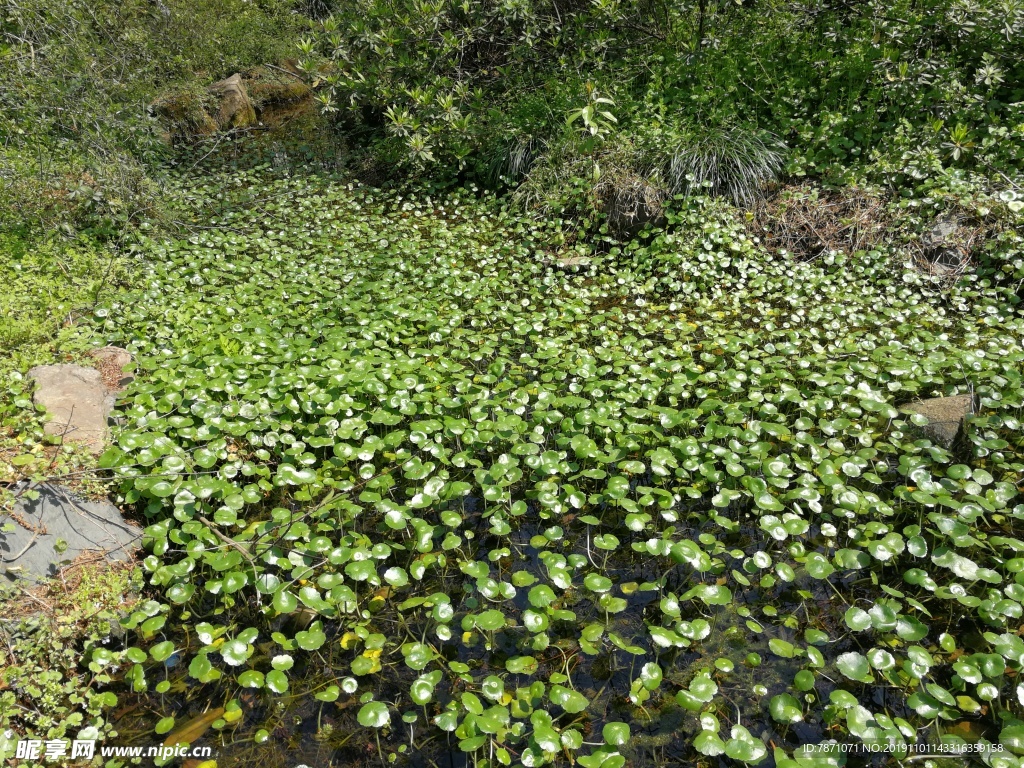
(234, 109)
(77, 401)
(941, 232)
(112, 355)
(945, 417)
(193, 113)
(29, 535)
(111, 362)
(945, 249)
(274, 94)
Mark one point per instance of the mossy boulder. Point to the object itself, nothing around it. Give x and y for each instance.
(946, 420)
(264, 93)
(630, 202)
(234, 109)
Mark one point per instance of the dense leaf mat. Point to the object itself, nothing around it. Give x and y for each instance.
(401, 465)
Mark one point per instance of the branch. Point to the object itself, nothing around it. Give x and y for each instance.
(226, 539)
(286, 71)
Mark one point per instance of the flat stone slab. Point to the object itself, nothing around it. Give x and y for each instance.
(945, 416)
(573, 261)
(77, 401)
(28, 537)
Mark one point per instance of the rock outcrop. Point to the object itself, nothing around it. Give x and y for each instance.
(946, 417)
(238, 101)
(275, 86)
(184, 115)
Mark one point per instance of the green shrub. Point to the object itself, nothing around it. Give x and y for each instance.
(48, 286)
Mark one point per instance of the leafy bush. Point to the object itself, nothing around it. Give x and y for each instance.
(438, 77)
(49, 285)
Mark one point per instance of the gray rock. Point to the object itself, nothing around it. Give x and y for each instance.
(630, 204)
(114, 355)
(573, 261)
(77, 402)
(943, 249)
(29, 535)
(945, 416)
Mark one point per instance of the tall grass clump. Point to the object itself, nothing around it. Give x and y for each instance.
(737, 163)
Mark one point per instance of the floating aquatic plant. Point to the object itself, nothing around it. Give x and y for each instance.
(538, 510)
